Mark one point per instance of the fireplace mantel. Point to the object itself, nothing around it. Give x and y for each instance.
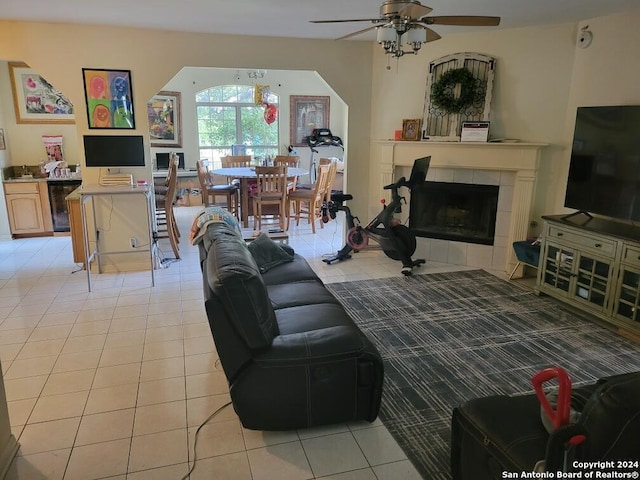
(520, 158)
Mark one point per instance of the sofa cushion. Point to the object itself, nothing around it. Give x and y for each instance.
(306, 318)
(310, 292)
(297, 271)
(233, 275)
(269, 254)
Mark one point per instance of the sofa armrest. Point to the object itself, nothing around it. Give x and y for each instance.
(334, 343)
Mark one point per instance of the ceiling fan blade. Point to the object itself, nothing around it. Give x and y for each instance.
(414, 10)
(350, 20)
(356, 33)
(463, 20)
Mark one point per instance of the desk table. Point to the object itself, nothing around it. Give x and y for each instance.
(88, 192)
(245, 174)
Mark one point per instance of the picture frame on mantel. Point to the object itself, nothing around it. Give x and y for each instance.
(307, 113)
(411, 129)
(35, 100)
(165, 121)
(109, 98)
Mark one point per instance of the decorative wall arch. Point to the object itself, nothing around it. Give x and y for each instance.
(444, 126)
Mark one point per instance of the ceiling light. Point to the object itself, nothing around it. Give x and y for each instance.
(391, 39)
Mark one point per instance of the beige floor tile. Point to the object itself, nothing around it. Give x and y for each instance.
(125, 339)
(87, 343)
(112, 398)
(39, 466)
(130, 311)
(161, 391)
(158, 320)
(172, 472)
(211, 383)
(165, 308)
(167, 349)
(323, 430)
(98, 460)
(117, 375)
(128, 324)
(198, 345)
(50, 333)
(137, 298)
(69, 362)
(19, 411)
(216, 439)
(276, 462)
(391, 471)
(68, 382)
(42, 348)
(103, 427)
(234, 466)
(258, 438)
(197, 316)
(378, 445)
(31, 367)
(95, 314)
(201, 408)
(160, 417)
(21, 320)
(55, 407)
(163, 334)
(197, 330)
(162, 368)
(121, 355)
(9, 352)
(333, 454)
(47, 436)
(202, 363)
(158, 450)
(23, 388)
(12, 336)
(90, 328)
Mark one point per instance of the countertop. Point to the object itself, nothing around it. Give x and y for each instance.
(39, 179)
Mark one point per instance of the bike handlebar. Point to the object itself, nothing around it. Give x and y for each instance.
(400, 183)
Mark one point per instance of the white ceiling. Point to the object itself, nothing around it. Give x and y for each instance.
(290, 18)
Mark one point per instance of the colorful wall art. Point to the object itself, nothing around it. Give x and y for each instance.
(109, 98)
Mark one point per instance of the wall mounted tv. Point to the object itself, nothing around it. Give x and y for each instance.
(604, 174)
(114, 151)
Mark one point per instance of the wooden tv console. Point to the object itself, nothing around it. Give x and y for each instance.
(594, 265)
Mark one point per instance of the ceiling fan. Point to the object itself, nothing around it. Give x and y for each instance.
(399, 17)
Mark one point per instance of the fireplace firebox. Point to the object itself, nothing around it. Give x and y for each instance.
(454, 211)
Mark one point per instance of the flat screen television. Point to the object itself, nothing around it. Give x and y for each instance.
(114, 151)
(162, 160)
(604, 173)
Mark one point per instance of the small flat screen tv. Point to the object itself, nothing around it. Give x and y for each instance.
(162, 161)
(114, 151)
(604, 173)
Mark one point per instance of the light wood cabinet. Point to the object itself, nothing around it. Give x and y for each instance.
(28, 208)
(77, 232)
(594, 266)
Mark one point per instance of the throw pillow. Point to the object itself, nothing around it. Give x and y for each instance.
(269, 254)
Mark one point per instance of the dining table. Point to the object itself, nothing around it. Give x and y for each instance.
(245, 175)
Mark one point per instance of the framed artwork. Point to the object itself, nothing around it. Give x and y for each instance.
(411, 129)
(165, 127)
(109, 98)
(3, 146)
(36, 100)
(306, 114)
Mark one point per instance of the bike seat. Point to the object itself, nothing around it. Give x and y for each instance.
(341, 197)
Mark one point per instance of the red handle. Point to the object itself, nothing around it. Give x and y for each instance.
(559, 416)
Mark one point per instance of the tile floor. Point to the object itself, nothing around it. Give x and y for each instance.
(114, 383)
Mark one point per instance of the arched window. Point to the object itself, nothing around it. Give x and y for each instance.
(227, 117)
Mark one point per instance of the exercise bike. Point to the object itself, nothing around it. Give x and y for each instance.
(396, 240)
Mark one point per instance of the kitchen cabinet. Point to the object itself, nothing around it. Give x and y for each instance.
(594, 266)
(28, 208)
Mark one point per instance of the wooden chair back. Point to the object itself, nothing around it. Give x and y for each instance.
(271, 182)
(288, 160)
(236, 161)
(203, 176)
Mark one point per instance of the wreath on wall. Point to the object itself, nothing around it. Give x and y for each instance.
(442, 92)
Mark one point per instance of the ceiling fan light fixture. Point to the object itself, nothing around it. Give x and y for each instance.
(386, 34)
(416, 36)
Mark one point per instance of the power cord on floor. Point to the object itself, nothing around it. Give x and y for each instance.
(195, 439)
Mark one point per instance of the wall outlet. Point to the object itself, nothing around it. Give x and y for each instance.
(134, 242)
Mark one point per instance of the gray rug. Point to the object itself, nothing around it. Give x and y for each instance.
(449, 337)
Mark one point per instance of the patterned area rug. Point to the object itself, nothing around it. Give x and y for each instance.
(449, 337)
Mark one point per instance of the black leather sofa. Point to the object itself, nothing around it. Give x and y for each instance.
(497, 436)
(291, 354)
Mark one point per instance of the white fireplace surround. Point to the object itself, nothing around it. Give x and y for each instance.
(512, 166)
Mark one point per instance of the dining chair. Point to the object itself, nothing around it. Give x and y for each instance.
(165, 217)
(331, 178)
(306, 203)
(271, 192)
(210, 190)
(291, 161)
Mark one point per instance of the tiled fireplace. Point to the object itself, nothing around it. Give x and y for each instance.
(510, 166)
